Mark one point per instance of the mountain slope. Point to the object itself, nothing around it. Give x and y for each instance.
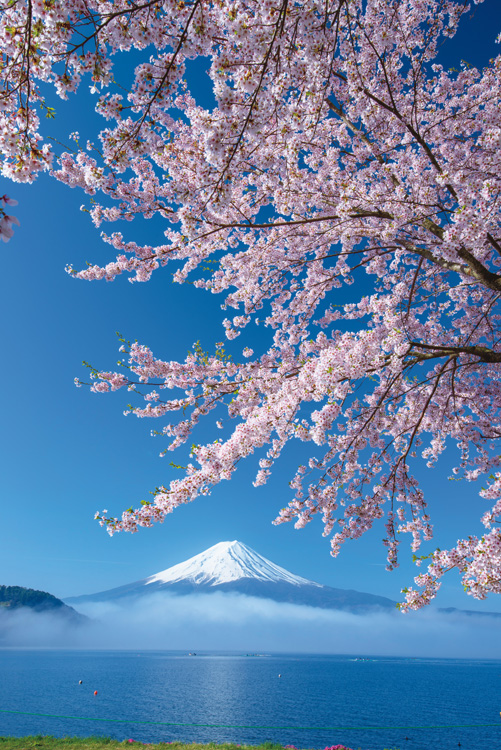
(224, 563)
(232, 567)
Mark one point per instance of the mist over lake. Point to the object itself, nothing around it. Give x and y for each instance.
(237, 622)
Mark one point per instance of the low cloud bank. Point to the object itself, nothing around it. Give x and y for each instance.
(233, 622)
(26, 627)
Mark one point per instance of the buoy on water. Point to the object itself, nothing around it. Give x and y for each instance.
(95, 692)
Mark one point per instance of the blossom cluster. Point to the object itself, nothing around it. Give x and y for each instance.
(343, 192)
(6, 221)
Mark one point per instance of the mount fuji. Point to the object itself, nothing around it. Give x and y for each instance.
(232, 567)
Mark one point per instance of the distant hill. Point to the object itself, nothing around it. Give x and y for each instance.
(16, 597)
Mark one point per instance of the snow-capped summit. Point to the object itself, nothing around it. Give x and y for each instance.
(235, 569)
(226, 562)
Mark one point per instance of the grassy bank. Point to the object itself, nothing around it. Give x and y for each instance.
(42, 742)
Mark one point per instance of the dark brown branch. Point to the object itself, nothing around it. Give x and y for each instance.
(484, 353)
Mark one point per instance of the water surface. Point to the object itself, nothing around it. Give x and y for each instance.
(306, 701)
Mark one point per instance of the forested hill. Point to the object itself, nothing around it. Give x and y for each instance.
(15, 597)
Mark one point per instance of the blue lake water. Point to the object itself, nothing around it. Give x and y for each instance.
(317, 701)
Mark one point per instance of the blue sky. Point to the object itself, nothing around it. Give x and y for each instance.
(67, 453)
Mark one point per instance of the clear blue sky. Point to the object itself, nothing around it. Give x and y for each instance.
(67, 453)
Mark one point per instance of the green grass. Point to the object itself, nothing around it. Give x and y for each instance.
(42, 742)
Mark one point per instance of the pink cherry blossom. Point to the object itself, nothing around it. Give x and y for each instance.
(6, 221)
(343, 193)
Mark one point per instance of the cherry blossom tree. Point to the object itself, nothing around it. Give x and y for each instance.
(344, 193)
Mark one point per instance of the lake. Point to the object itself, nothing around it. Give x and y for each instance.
(302, 700)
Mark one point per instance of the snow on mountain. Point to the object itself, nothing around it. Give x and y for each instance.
(224, 563)
(234, 568)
